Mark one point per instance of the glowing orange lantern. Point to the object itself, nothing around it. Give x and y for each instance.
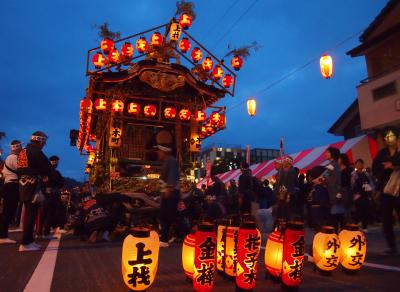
(170, 113)
(140, 258)
(222, 121)
(113, 56)
(215, 118)
(227, 81)
(221, 245)
(326, 66)
(196, 54)
(92, 137)
(184, 114)
(150, 110)
(98, 60)
(91, 158)
(188, 255)
(237, 63)
(127, 50)
(184, 45)
(207, 64)
(248, 249)
(200, 116)
(141, 45)
(86, 105)
(100, 104)
(326, 249)
(133, 108)
(353, 246)
(217, 73)
(107, 45)
(117, 106)
(203, 132)
(157, 39)
(185, 21)
(204, 258)
(273, 253)
(231, 247)
(293, 254)
(251, 107)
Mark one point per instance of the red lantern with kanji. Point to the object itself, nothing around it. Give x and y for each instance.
(117, 106)
(100, 104)
(215, 118)
(98, 60)
(231, 247)
(157, 39)
(185, 21)
(107, 45)
(184, 114)
(133, 108)
(200, 116)
(184, 45)
(170, 113)
(204, 258)
(326, 66)
(217, 73)
(207, 64)
(150, 110)
(196, 54)
(221, 245)
(222, 121)
(294, 244)
(227, 81)
(237, 62)
(127, 50)
(141, 45)
(113, 56)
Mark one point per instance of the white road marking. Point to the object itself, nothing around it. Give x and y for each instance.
(42, 277)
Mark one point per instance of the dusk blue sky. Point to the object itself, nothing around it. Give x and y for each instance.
(43, 57)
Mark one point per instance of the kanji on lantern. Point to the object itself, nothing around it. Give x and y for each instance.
(150, 110)
(207, 64)
(200, 116)
(127, 50)
(113, 56)
(231, 257)
(175, 31)
(156, 39)
(142, 46)
(133, 108)
(221, 245)
(98, 60)
(217, 73)
(196, 54)
(185, 21)
(100, 104)
(184, 114)
(117, 106)
(107, 45)
(184, 45)
(227, 81)
(215, 118)
(170, 113)
(115, 136)
(353, 247)
(326, 249)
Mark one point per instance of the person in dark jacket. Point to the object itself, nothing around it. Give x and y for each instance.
(245, 190)
(318, 198)
(266, 200)
(33, 166)
(382, 167)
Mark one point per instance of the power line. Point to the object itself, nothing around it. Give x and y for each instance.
(222, 17)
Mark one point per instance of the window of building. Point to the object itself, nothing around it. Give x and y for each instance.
(384, 91)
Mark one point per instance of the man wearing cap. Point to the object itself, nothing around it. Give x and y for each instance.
(33, 166)
(10, 191)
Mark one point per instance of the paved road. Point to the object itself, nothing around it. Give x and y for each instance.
(81, 266)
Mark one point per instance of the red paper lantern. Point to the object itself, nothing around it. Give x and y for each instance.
(248, 249)
(326, 66)
(203, 132)
(207, 64)
(215, 118)
(117, 106)
(170, 113)
(86, 105)
(107, 45)
(196, 54)
(185, 21)
(127, 50)
(113, 56)
(150, 110)
(133, 108)
(184, 114)
(227, 81)
(204, 258)
(200, 116)
(98, 60)
(237, 63)
(294, 244)
(157, 39)
(141, 45)
(184, 45)
(100, 104)
(217, 73)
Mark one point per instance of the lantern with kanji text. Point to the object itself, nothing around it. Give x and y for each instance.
(100, 104)
(237, 62)
(117, 106)
(274, 252)
(127, 50)
(184, 45)
(326, 66)
(184, 114)
(200, 116)
(134, 108)
(204, 258)
(196, 54)
(353, 247)
(170, 113)
(248, 249)
(207, 64)
(113, 56)
(150, 110)
(156, 39)
(294, 245)
(140, 258)
(217, 73)
(174, 31)
(231, 247)
(185, 21)
(98, 60)
(141, 45)
(326, 249)
(221, 245)
(107, 45)
(227, 81)
(251, 107)
(188, 254)
(215, 118)
(86, 105)
(203, 132)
